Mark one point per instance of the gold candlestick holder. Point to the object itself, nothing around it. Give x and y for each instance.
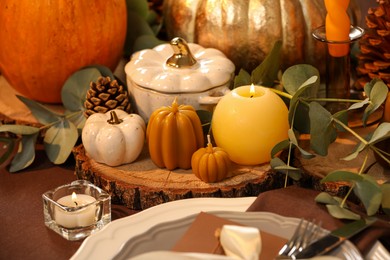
(338, 69)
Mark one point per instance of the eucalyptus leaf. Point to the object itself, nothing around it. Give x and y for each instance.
(322, 130)
(386, 197)
(140, 7)
(377, 94)
(104, 71)
(341, 213)
(295, 76)
(359, 105)
(301, 118)
(205, 119)
(357, 150)
(342, 116)
(326, 198)
(59, 141)
(43, 114)
(295, 100)
(370, 194)
(8, 145)
(146, 41)
(77, 118)
(380, 133)
(280, 147)
(267, 72)
(243, 78)
(280, 166)
(340, 175)
(136, 27)
(294, 141)
(20, 129)
(73, 93)
(26, 153)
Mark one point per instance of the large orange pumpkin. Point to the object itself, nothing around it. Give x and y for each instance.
(43, 42)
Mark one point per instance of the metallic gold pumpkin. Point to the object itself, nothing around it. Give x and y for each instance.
(245, 30)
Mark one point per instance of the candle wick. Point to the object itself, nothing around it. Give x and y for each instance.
(75, 203)
(251, 96)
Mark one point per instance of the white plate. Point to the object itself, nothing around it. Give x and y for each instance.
(109, 241)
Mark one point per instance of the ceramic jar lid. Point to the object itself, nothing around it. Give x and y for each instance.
(179, 67)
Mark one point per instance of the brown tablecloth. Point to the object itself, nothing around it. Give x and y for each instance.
(23, 234)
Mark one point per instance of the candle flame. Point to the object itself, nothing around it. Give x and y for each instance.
(74, 198)
(252, 90)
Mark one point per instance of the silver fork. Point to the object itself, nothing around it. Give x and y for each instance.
(305, 233)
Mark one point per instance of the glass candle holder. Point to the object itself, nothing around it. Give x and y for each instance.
(76, 210)
(338, 69)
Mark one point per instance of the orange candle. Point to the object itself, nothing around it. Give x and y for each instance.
(337, 25)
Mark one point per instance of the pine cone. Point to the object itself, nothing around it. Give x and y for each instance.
(105, 95)
(374, 57)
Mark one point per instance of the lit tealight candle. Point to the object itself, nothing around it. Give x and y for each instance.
(248, 122)
(82, 217)
(337, 26)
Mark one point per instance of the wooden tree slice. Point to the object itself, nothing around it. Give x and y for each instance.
(141, 184)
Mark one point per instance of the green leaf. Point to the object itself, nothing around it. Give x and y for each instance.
(294, 141)
(280, 147)
(19, 129)
(146, 42)
(322, 130)
(370, 194)
(41, 113)
(267, 72)
(26, 154)
(136, 26)
(295, 76)
(380, 133)
(326, 198)
(300, 92)
(73, 93)
(138, 6)
(9, 144)
(78, 119)
(59, 141)
(340, 175)
(205, 117)
(280, 166)
(359, 104)
(358, 148)
(243, 78)
(104, 71)
(376, 90)
(341, 213)
(386, 198)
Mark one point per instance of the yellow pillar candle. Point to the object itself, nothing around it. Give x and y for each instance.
(337, 26)
(248, 122)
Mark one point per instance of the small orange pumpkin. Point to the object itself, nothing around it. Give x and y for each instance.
(211, 164)
(44, 42)
(173, 134)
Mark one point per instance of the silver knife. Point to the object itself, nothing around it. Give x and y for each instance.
(335, 238)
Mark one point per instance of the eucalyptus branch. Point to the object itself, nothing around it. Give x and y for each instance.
(347, 128)
(334, 100)
(68, 116)
(353, 184)
(281, 93)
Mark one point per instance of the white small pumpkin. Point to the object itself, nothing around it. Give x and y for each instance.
(114, 138)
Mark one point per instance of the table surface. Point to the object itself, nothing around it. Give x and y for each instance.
(23, 234)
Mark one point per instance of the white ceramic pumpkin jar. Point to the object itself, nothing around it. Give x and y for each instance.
(197, 76)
